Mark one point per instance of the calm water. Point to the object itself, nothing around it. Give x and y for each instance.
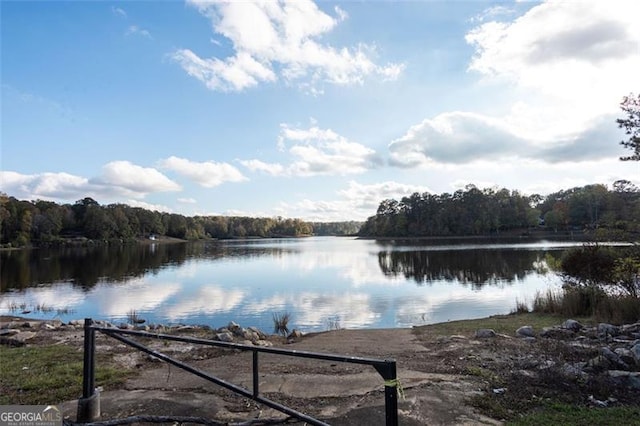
(323, 282)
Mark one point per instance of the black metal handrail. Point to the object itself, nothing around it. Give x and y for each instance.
(386, 368)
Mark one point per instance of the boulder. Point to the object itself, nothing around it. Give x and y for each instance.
(525, 331)
(572, 325)
(485, 333)
(626, 378)
(605, 329)
(224, 337)
(625, 355)
(556, 333)
(615, 360)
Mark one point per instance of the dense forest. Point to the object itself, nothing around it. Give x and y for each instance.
(468, 212)
(473, 211)
(24, 223)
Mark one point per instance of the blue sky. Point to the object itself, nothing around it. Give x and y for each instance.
(311, 110)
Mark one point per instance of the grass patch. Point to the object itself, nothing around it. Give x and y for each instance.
(504, 324)
(49, 374)
(570, 415)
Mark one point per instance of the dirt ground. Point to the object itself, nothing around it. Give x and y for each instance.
(434, 392)
(445, 379)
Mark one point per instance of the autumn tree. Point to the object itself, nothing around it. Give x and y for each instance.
(630, 105)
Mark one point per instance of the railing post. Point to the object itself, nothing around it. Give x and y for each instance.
(391, 384)
(256, 377)
(89, 404)
(391, 395)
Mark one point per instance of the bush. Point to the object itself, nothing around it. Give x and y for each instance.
(589, 301)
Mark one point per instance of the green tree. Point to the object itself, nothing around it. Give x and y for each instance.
(630, 105)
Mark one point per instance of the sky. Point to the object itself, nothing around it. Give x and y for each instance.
(312, 110)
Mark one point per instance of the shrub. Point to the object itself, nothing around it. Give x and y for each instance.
(281, 323)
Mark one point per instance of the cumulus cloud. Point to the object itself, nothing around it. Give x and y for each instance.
(462, 138)
(279, 39)
(208, 174)
(581, 54)
(357, 202)
(369, 196)
(134, 178)
(456, 137)
(47, 186)
(118, 179)
(316, 152)
(567, 65)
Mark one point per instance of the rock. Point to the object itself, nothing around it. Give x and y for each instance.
(630, 328)
(626, 378)
(525, 331)
(250, 335)
(625, 355)
(17, 339)
(295, 334)
(224, 337)
(572, 325)
(485, 333)
(597, 364)
(635, 351)
(556, 333)
(9, 332)
(261, 342)
(597, 402)
(614, 359)
(234, 328)
(574, 371)
(51, 325)
(259, 332)
(605, 329)
(499, 391)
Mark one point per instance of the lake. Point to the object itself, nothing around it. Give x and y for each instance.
(323, 282)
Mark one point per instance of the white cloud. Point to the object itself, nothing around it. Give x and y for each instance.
(43, 185)
(149, 206)
(136, 30)
(316, 152)
(565, 65)
(369, 197)
(579, 58)
(357, 202)
(457, 137)
(207, 174)
(274, 39)
(118, 179)
(187, 200)
(133, 178)
(272, 169)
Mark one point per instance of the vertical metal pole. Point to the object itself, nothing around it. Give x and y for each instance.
(391, 394)
(88, 370)
(256, 379)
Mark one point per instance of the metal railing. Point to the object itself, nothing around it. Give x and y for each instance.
(386, 368)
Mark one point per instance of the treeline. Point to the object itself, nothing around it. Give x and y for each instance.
(473, 211)
(23, 223)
